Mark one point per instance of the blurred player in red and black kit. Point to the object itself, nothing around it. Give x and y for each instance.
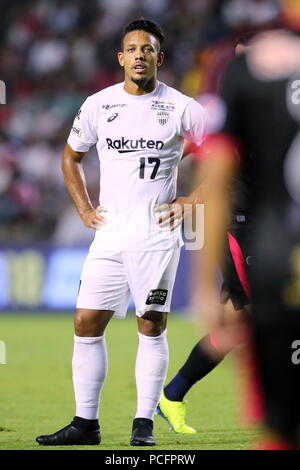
(263, 124)
(261, 93)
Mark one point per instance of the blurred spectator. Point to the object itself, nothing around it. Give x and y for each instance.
(46, 55)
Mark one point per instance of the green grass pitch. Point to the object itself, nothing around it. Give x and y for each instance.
(36, 395)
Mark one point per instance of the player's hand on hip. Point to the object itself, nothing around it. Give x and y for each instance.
(92, 218)
(172, 215)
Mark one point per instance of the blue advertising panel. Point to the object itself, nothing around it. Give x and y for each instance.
(62, 278)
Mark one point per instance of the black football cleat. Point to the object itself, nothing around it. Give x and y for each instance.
(70, 436)
(142, 432)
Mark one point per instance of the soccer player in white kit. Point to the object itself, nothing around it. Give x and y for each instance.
(138, 127)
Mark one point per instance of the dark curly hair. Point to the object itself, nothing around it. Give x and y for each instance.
(144, 25)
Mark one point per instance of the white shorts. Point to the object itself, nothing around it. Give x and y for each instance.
(108, 279)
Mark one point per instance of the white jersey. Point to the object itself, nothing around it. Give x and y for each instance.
(139, 141)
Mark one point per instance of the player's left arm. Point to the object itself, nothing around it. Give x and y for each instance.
(174, 213)
(194, 124)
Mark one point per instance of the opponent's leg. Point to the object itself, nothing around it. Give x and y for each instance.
(204, 357)
(150, 371)
(199, 363)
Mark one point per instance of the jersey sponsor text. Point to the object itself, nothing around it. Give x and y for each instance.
(124, 145)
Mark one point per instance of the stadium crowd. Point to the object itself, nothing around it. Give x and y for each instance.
(53, 54)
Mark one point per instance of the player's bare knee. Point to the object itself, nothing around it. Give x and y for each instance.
(91, 322)
(84, 324)
(152, 323)
(81, 322)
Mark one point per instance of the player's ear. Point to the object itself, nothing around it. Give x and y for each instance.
(121, 58)
(160, 58)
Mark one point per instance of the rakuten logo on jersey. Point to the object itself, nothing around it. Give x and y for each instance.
(124, 145)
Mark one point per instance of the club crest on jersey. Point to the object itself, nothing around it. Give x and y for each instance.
(163, 117)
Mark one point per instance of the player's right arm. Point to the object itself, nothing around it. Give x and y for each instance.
(76, 185)
(82, 137)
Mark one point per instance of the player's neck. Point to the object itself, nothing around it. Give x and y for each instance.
(138, 89)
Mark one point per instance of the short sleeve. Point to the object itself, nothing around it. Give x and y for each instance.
(194, 122)
(83, 132)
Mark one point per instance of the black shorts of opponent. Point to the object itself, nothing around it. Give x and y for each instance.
(236, 267)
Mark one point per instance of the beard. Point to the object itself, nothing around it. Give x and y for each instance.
(140, 82)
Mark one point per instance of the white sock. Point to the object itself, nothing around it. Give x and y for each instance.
(150, 372)
(89, 365)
